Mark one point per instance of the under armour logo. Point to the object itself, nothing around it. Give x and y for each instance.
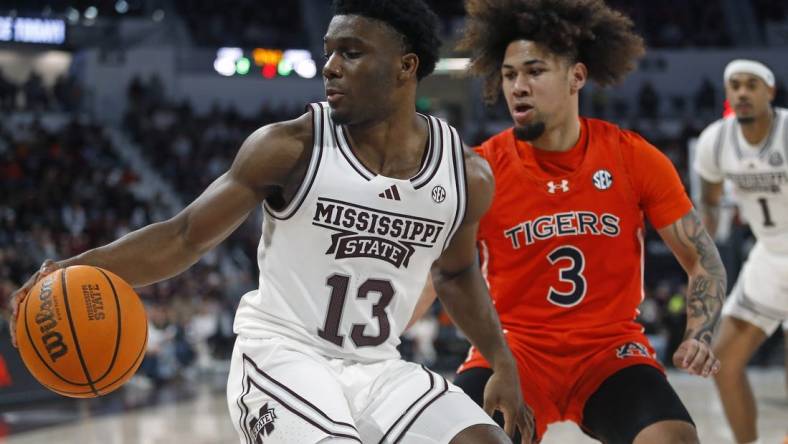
(563, 186)
(391, 193)
(603, 179)
(632, 349)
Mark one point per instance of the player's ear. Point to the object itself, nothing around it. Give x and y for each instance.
(578, 74)
(409, 66)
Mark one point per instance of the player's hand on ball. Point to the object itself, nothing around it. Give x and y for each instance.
(696, 358)
(502, 393)
(19, 295)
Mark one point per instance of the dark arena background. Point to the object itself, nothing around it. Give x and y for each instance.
(115, 114)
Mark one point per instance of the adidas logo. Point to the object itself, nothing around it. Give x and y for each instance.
(391, 193)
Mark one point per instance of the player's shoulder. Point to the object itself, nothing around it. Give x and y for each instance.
(713, 132)
(277, 147)
(782, 113)
(494, 146)
(607, 134)
(283, 138)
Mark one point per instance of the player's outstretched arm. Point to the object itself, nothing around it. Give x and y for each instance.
(463, 293)
(165, 249)
(697, 254)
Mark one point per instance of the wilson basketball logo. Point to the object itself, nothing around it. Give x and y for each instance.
(438, 194)
(47, 320)
(603, 180)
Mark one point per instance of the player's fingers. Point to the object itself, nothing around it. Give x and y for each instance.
(712, 363)
(525, 425)
(488, 407)
(696, 366)
(16, 300)
(47, 267)
(12, 321)
(508, 422)
(690, 350)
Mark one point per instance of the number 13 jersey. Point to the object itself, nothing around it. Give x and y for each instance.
(343, 265)
(562, 244)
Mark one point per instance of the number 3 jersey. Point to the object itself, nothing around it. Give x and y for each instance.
(343, 265)
(562, 244)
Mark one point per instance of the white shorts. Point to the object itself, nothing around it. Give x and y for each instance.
(280, 392)
(760, 295)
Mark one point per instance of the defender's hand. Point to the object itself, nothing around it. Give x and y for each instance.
(502, 393)
(696, 358)
(19, 295)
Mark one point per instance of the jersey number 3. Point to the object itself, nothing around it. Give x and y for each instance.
(571, 274)
(339, 286)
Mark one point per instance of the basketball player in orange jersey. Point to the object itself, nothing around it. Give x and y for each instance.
(562, 244)
(362, 196)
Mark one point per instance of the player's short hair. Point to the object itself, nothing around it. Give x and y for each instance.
(586, 31)
(412, 19)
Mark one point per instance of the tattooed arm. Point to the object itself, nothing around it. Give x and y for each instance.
(698, 255)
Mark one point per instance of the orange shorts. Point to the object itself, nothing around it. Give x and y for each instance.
(559, 372)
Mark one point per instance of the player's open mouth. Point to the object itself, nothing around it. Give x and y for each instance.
(521, 112)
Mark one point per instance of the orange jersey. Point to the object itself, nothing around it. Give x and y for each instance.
(562, 244)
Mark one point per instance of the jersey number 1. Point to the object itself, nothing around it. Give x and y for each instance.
(767, 216)
(339, 286)
(573, 274)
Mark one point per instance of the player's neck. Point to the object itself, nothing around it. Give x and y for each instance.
(559, 138)
(756, 131)
(392, 147)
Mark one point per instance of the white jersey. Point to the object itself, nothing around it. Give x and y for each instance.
(759, 175)
(343, 265)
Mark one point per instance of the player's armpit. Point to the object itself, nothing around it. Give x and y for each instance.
(697, 254)
(426, 300)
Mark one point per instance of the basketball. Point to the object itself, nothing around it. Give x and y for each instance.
(82, 331)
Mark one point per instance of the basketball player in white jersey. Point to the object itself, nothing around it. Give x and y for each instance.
(750, 149)
(362, 197)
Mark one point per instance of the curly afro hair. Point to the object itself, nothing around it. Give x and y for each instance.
(412, 19)
(585, 31)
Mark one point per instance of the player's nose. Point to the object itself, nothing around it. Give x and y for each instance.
(332, 68)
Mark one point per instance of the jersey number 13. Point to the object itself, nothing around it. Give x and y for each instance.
(339, 288)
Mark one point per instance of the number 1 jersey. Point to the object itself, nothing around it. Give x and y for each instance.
(343, 266)
(562, 244)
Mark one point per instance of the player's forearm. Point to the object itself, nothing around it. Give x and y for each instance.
(706, 287)
(465, 298)
(711, 216)
(711, 197)
(705, 297)
(148, 255)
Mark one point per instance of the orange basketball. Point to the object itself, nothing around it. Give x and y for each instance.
(82, 331)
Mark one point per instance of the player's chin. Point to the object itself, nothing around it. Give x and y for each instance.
(340, 115)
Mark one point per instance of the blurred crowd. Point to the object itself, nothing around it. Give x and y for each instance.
(34, 95)
(244, 23)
